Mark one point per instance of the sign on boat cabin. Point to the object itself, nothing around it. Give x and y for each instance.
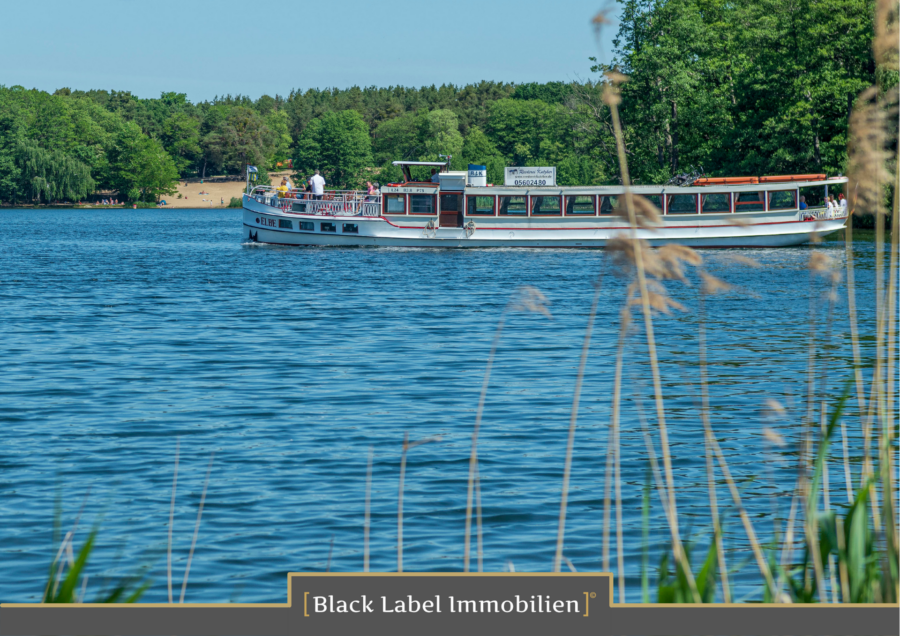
(530, 176)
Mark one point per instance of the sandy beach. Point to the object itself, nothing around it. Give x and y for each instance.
(212, 195)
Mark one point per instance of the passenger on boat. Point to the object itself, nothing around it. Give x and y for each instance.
(434, 176)
(318, 186)
(843, 204)
(803, 205)
(282, 189)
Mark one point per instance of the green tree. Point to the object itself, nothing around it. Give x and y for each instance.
(397, 139)
(439, 133)
(525, 130)
(338, 145)
(181, 139)
(277, 122)
(480, 150)
(50, 175)
(141, 168)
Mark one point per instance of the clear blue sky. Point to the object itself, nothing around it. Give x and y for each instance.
(205, 48)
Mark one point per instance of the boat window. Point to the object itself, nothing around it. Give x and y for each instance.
(655, 199)
(483, 206)
(421, 204)
(546, 206)
(716, 202)
(299, 206)
(350, 228)
(307, 226)
(395, 203)
(748, 202)
(286, 223)
(513, 206)
(328, 227)
(783, 200)
(681, 204)
(608, 204)
(579, 204)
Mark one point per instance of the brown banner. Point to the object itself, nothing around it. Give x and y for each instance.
(440, 604)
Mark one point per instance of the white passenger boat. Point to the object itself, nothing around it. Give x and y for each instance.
(458, 211)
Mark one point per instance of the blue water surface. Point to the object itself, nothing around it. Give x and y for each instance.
(133, 335)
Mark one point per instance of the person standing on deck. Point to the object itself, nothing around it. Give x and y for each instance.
(318, 185)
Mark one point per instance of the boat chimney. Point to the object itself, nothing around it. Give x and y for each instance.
(477, 175)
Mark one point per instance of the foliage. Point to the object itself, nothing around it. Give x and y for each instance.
(439, 131)
(745, 87)
(755, 87)
(51, 175)
(66, 581)
(235, 202)
(142, 170)
(338, 145)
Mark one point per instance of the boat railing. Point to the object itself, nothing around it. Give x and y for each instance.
(819, 214)
(331, 203)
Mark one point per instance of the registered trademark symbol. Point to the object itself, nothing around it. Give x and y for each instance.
(593, 595)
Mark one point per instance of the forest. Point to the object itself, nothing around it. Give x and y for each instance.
(740, 87)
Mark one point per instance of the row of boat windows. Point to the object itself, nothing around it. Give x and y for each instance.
(588, 205)
(309, 226)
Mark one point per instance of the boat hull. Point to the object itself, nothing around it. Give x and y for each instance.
(268, 225)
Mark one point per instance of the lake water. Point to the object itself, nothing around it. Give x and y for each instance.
(126, 331)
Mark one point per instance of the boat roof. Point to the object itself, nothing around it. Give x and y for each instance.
(651, 189)
(504, 190)
(419, 163)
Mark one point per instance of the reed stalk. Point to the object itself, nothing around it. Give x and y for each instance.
(473, 458)
(854, 339)
(527, 299)
(172, 520)
(611, 448)
(478, 525)
(677, 547)
(620, 547)
(710, 467)
(187, 569)
(745, 518)
(573, 420)
(407, 446)
(400, 502)
(367, 520)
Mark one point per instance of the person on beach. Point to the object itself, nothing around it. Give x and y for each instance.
(318, 186)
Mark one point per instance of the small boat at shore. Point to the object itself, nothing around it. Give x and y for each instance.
(457, 209)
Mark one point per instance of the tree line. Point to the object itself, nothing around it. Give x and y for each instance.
(738, 87)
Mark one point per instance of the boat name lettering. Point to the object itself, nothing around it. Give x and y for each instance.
(265, 221)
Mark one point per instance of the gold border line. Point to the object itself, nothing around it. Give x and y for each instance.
(291, 575)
